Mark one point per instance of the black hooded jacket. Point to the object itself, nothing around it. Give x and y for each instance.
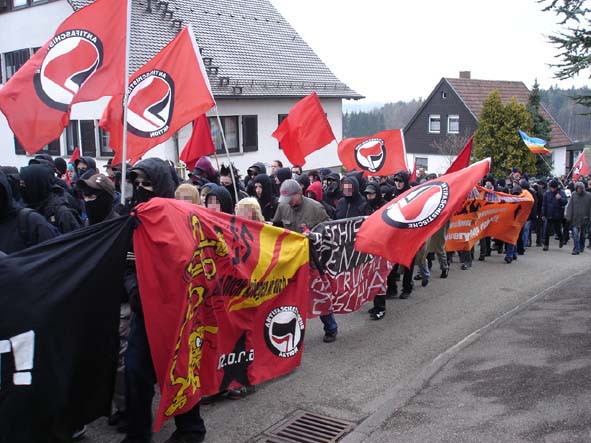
(223, 196)
(248, 179)
(20, 228)
(332, 193)
(91, 167)
(353, 206)
(405, 179)
(41, 194)
(158, 171)
(267, 200)
(375, 203)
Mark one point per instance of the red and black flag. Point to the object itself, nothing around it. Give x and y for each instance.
(398, 229)
(83, 61)
(581, 167)
(305, 130)
(168, 92)
(224, 299)
(380, 154)
(59, 332)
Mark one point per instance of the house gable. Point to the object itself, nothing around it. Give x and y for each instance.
(475, 92)
(444, 102)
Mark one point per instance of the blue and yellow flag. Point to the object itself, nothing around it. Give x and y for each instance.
(535, 145)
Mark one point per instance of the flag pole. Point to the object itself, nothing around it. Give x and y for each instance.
(547, 164)
(232, 172)
(125, 100)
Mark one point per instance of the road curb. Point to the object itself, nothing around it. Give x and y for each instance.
(400, 395)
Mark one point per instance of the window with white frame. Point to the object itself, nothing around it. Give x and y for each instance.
(453, 124)
(434, 123)
(92, 140)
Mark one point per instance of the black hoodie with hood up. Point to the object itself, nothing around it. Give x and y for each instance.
(267, 200)
(158, 172)
(43, 195)
(20, 228)
(353, 206)
(375, 203)
(223, 197)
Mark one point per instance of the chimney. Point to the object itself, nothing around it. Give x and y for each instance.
(465, 75)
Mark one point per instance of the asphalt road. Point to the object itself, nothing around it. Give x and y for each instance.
(527, 381)
(371, 362)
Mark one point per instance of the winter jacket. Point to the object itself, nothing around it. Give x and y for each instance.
(578, 210)
(48, 199)
(553, 208)
(19, 227)
(353, 206)
(267, 200)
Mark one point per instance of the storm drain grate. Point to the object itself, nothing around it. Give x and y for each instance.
(307, 427)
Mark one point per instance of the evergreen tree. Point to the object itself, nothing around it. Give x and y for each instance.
(573, 43)
(541, 129)
(498, 137)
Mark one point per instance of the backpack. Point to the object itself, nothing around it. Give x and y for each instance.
(22, 222)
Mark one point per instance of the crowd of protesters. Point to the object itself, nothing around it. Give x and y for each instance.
(50, 197)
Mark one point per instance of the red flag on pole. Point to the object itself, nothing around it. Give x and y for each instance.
(413, 176)
(83, 61)
(304, 130)
(165, 94)
(75, 155)
(463, 159)
(199, 144)
(398, 229)
(380, 154)
(581, 168)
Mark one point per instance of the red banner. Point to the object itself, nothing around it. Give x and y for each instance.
(305, 130)
(399, 228)
(165, 94)
(342, 279)
(487, 213)
(380, 154)
(83, 61)
(199, 144)
(224, 300)
(463, 159)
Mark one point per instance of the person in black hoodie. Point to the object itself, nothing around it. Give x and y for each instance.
(151, 178)
(41, 194)
(98, 193)
(373, 195)
(256, 169)
(226, 182)
(20, 227)
(219, 200)
(401, 183)
(331, 189)
(83, 165)
(262, 190)
(352, 204)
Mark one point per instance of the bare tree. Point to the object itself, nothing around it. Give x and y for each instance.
(450, 146)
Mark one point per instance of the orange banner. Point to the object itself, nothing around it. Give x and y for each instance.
(488, 213)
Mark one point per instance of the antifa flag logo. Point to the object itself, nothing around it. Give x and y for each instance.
(578, 167)
(72, 58)
(370, 154)
(151, 104)
(284, 331)
(420, 207)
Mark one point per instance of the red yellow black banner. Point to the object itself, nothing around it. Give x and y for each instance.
(224, 300)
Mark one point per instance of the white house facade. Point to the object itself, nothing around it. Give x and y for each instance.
(257, 65)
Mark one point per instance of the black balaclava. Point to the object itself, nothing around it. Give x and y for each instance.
(38, 180)
(99, 208)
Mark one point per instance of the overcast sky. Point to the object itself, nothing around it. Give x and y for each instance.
(398, 50)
